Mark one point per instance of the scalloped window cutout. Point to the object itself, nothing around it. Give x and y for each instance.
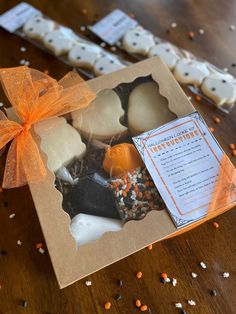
(110, 185)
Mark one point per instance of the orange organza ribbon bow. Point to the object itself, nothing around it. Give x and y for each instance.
(34, 96)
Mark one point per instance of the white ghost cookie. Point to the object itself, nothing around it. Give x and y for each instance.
(138, 40)
(101, 119)
(84, 55)
(220, 88)
(58, 42)
(166, 52)
(107, 64)
(60, 141)
(37, 27)
(88, 228)
(190, 71)
(147, 109)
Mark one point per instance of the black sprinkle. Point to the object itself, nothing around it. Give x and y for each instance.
(186, 73)
(167, 50)
(120, 282)
(134, 44)
(111, 61)
(118, 297)
(83, 48)
(167, 31)
(223, 81)
(183, 312)
(233, 65)
(162, 280)
(213, 89)
(38, 21)
(213, 292)
(78, 57)
(30, 29)
(3, 252)
(101, 69)
(137, 34)
(5, 203)
(24, 303)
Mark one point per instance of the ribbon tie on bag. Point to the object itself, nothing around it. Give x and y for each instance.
(34, 96)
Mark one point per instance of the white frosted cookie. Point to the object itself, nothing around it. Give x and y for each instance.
(87, 228)
(101, 119)
(60, 141)
(166, 52)
(147, 109)
(37, 27)
(138, 40)
(107, 64)
(58, 42)
(220, 88)
(190, 71)
(84, 55)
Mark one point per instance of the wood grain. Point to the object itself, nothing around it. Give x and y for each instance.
(25, 274)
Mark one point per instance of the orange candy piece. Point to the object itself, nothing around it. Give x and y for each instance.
(121, 158)
(107, 305)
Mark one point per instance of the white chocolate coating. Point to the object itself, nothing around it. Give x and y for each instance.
(101, 119)
(88, 228)
(37, 27)
(220, 88)
(58, 42)
(166, 52)
(138, 40)
(84, 55)
(107, 64)
(60, 141)
(190, 71)
(147, 109)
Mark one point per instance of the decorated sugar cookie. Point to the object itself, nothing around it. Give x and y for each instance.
(101, 120)
(107, 64)
(166, 52)
(58, 42)
(220, 88)
(37, 27)
(84, 55)
(138, 40)
(147, 109)
(190, 71)
(60, 141)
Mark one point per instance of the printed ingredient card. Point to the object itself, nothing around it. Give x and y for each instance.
(187, 166)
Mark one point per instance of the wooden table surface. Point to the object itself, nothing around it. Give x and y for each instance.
(25, 274)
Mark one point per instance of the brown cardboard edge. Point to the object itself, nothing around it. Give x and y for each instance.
(71, 264)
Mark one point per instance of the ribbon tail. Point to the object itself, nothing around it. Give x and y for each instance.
(24, 163)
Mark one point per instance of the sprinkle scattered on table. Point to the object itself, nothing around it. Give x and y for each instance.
(213, 292)
(107, 305)
(216, 120)
(211, 129)
(19, 242)
(198, 98)
(173, 25)
(203, 265)
(23, 49)
(191, 302)
(191, 35)
(82, 28)
(194, 275)
(143, 308)
(39, 245)
(174, 282)
(1, 105)
(120, 282)
(149, 247)
(232, 146)
(139, 274)
(118, 297)
(12, 216)
(201, 31)
(41, 250)
(24, 303)
(178, 305)
(102, 44)
(226, 275)
(215, 225)
(88, 283)
(138, 303)
(231, 27)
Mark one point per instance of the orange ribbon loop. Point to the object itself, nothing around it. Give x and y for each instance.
(34, 96)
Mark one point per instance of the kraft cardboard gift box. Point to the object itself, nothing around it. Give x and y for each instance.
(71, 263)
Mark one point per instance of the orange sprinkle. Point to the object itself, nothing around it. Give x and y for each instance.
(139, 274)
(215, 224)
(150, 247)
(39, 245)
(164, 276)
(140, 194)
(234, 152)
(211, 130)
(232, 146)
(138, 303)
(198, 98)
(216, 120)
(107, 305)
(124, 193)
(143, 308)
(191, 35)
